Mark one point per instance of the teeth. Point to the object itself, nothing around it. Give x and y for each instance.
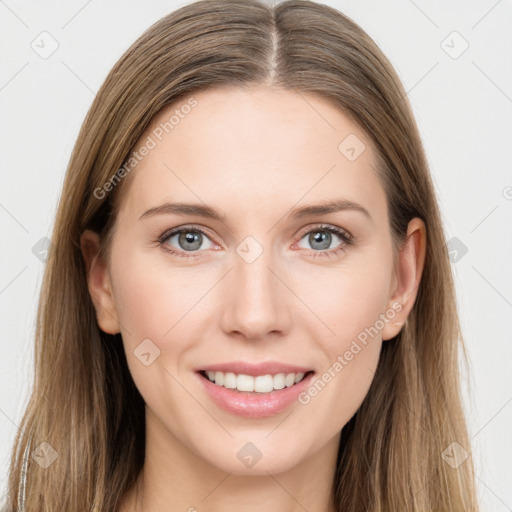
(219, 378)
(279, 381)
(298, 377)
(244, 383)
(229, 380)
(259, 384)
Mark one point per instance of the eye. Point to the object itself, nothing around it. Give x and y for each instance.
(191, 240)
(321, 237)
(188, 240)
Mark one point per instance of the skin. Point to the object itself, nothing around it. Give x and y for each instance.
(254, 154)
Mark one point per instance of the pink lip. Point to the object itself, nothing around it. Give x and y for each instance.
(269, 367)
(254, 405)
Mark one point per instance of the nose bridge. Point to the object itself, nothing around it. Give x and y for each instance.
(255, 301)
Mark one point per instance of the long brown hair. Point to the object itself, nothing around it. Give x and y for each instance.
(84, 403)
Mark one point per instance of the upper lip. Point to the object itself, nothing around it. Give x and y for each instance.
(254, 369)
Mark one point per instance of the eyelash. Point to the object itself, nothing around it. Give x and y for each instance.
(344, 235)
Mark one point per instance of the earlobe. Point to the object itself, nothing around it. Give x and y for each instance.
(98, 283)
(410, 268)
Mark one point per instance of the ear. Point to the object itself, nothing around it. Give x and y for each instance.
(407, 279)
(98, 282)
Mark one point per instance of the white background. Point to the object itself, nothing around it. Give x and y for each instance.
(463, 107)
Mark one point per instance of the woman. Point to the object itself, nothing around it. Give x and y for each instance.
(248, 301)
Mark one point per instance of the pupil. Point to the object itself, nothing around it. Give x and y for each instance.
(189, 237)
(322, 237)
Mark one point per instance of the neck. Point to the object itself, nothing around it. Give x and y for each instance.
(175, 479)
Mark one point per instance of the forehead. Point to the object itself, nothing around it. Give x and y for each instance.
(253, 147)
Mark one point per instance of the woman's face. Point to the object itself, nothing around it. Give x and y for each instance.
(273, 282)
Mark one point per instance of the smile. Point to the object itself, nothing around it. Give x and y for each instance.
(254, 384)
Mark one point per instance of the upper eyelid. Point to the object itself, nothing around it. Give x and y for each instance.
(178, 229)
(325, 226)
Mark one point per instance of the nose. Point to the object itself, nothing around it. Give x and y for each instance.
(254, 299)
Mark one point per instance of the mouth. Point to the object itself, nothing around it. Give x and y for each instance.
(254, 385)
(253, 390)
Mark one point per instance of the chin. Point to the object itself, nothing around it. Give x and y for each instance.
(259, 456)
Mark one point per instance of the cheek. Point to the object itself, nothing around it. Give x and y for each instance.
(156, 302)
(348, 299)
(354, 314)
(355, 309)
(152, 297)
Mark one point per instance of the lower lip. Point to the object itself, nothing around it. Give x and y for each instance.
(254, 405)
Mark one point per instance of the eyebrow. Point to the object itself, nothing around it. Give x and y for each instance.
(208, 212)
